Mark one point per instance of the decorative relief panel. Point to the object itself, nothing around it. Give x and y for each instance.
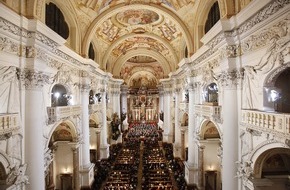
(9, 46)
(34, 79)
(231, 78)
(277, 35)
(265, 13)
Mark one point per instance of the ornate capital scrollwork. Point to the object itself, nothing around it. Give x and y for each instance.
(85, 87)
(167, 92)
(230, 79)
(9, 46)
(34, 80)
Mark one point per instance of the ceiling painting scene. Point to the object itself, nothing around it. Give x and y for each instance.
(140, 42)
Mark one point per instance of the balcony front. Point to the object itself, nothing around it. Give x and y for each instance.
(211, 112)
(278, 123)
(8, 123)
(61, 112)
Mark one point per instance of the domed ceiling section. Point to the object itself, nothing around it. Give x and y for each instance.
(128, 31)
(141, 71)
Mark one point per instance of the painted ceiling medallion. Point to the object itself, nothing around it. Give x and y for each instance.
(137, 17)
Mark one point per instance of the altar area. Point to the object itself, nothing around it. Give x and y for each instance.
(143, 106)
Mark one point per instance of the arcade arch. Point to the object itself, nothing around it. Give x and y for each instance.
(273, 165)
(210, 140)
(63, 146)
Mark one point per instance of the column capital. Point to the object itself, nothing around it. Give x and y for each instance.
(177, 90)
(230, 79)
(98, 130)
(34, 80)
(167, 92)
(74, 146)
(85, 87)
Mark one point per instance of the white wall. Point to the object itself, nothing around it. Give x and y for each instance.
(63, 160)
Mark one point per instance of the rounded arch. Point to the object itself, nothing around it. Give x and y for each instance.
(67, 8)
(275, 91)
(274, 74)
(227, 8)
(210, 93)
(71, 125)
(123, 7)
(116, 68)
(258, 155)
(5, 161)
(60, 95)
(137, 74)
(95, 118)
(201, 18)
(127, 36)
(184, 119)
(204, 126)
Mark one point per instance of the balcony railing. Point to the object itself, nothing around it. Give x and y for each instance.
(57, 113)
(211, 112)
(8, 123)
(266, 121)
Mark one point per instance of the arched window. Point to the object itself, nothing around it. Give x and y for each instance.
(54, 19)
(91, 52)
(211, 94)
(280, 95)
(59, 96)
(91, 97)
(212, 17)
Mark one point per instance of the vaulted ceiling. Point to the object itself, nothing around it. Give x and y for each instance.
(141, 41)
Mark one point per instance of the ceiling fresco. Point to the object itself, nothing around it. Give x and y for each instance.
(138, 16)
(137, 42)
(140, 38)
(174, 4)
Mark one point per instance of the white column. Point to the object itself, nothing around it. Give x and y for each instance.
(201, 166)
(86, 165)
(85, 126)
(161, 106)
(191, 128)
(98, 135)
(182, 131)
(124, 104)
(230, 135)
(167, 134)
(33, 130)
(104, 147)
(118, 110)
(191, 166)
(118, 103)
(76, 171)
(177, 143)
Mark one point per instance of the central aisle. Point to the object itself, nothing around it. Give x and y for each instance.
(141, 162)
(140, 165)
